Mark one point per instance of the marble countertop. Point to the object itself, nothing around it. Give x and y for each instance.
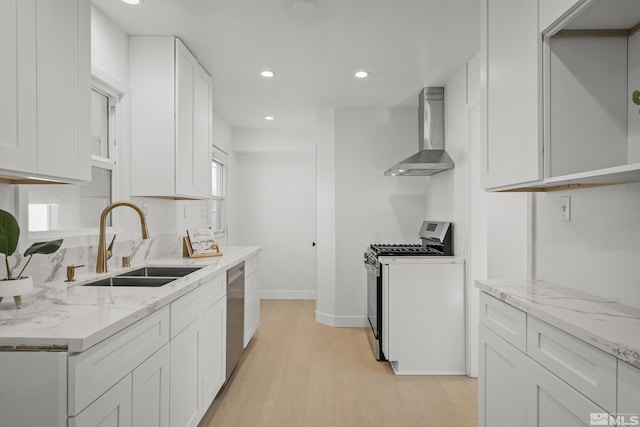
(607, 325)
(71, 317)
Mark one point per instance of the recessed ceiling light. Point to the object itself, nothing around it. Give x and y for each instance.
(361, 74)
(304, 7)
(132, 1)
(268, 117)
(267, 73)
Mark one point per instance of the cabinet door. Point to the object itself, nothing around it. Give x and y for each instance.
(251, 305)
(202, 129)
(552, 402)
(112, 409)
(18, 85)
(193, 125)
(152, 78)
(511, 93)
(425, 330)
(501, 394)
(63, 85)
(214, 346)
(150, 399)
(186, 373)
(628, 389)
(185, 75)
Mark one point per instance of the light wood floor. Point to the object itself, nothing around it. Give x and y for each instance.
(296, 372)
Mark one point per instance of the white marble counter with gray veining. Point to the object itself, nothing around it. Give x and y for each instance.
(73, 317)
(607, 325)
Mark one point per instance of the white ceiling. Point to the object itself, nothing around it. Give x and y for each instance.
(404, 44)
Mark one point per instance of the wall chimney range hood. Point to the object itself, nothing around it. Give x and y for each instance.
(431, 158)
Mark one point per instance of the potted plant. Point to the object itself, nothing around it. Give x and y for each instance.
(16, 286)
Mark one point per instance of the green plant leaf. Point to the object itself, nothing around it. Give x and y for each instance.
(9, 233)
(635, 96)
(43, 247)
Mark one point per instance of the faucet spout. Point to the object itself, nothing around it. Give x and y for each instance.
(101, 261)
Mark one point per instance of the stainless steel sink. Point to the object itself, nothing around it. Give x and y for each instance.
(152, 282)
(146, 277)
(160, 272)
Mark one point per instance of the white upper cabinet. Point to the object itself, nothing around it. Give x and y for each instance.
(510, 88)
(592, 68)
(45, 82)
(171, 116)
(559, 78)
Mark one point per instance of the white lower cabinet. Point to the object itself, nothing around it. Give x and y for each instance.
(423, 310)
(552, 402)
(112, 409)
(214, 334)
(501, 392)
(150, 391)
(628, 389)
(198, 365)
(186, 372)
(555, 380)
(251, 298)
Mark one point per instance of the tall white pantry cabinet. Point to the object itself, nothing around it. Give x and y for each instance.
(171, 120)
(45, 81)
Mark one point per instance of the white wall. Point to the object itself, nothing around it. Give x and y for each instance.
(109, 48)
(274, 184)
(598, 250)
(508, 235)
(326, 218)
(368, 204)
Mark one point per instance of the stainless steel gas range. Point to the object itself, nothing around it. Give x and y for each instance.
(437, 240)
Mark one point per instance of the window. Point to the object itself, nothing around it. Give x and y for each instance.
(67, 210)
(218, 205)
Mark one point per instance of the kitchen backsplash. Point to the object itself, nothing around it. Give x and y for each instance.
(52, 267)
(598, 250)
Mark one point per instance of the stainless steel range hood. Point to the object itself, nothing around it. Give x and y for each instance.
(431, 158)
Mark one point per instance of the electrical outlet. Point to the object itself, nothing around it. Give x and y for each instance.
(377, 237)
(565, 208)
(145, 208)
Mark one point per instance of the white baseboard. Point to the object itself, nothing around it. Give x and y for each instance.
(342, 321)
(288, 295)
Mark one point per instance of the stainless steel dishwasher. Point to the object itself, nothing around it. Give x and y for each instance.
(235, 316)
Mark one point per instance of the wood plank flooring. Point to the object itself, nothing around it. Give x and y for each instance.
(298, 373)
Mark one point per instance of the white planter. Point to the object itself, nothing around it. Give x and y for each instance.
(16, 288)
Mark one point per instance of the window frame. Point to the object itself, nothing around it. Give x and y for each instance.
(221, 158)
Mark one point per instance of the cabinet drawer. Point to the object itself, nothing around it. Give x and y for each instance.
(94, 371)
(589, 370)
(191, 306)
(111, 409)
(506, 321)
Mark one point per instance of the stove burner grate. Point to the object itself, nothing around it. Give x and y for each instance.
(403, 249)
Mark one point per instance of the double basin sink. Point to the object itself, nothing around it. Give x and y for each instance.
(146, 277)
